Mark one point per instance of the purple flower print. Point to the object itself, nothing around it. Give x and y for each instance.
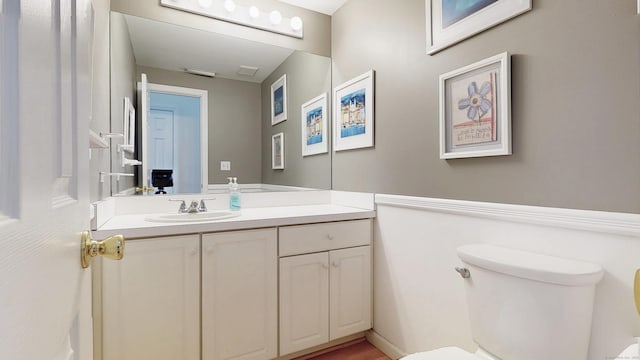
(477, 104)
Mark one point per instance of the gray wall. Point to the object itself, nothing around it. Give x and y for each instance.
(575, 89)
(317, 27)
(123, 83)
(308, 76)
(234, 122)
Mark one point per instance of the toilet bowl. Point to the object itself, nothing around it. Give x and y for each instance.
(515, 300)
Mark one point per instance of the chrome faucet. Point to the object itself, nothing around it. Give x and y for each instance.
(193, 208)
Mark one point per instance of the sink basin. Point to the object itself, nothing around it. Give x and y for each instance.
(195, 217)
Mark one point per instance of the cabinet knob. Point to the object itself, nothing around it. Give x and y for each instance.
(111, 248)
(209, 250)
(335, 264)
(193, 252)
(324, 266)
(329, 236)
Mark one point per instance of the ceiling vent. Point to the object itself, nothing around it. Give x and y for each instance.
(247, 70)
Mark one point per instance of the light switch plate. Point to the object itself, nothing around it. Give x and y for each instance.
(225, 165)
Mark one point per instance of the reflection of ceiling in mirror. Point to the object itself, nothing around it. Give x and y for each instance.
(322, 6)
(171, 47)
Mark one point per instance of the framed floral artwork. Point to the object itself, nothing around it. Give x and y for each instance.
(475, 109)
(451, 21)
(314, 126)
(277, 151)
(353, 113)
(279, 100)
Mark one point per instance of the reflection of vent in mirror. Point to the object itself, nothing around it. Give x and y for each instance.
(247, 70)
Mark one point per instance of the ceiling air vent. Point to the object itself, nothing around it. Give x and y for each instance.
(247, 70)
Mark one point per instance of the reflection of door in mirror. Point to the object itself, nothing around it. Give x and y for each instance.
(175, 137)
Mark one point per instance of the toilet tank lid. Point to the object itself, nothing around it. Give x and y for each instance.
(524, 264)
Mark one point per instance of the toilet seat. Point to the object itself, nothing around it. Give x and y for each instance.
(446, 353)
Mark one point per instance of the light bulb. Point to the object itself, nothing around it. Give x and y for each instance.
(229, 5)
(296, 23)
(205, 3)
(254, 12)
(275, 17)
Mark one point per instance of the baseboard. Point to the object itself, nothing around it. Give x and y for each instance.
(384, 345)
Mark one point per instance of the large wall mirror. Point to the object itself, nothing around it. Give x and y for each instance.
(208, 108)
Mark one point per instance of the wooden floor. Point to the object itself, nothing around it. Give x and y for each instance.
(356, 350)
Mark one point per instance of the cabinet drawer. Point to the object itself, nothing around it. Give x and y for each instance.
(302, 239)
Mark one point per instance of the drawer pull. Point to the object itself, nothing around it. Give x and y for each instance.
(329, 236)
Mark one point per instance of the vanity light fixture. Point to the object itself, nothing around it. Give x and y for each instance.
(254, 12)
(296, 23)
(229, 5)
(205, 3)
(237, 13)
(275, 17)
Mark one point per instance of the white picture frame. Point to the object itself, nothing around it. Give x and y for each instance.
(129, 124)
(279, 100)
(313, 119)
(353, 113)
(446, 27)
(277, 151)
(475, 109)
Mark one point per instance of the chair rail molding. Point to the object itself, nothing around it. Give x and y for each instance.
(624, 224)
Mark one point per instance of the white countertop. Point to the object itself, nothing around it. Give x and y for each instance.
(135, 226)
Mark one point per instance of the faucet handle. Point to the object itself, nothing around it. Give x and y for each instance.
(203, 206)
(183, 205)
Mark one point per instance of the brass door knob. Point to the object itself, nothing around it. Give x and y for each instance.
(111, 248)
(145, 189)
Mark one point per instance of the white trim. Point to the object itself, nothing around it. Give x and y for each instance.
(384, 345)
(598, 221)
(204, 125)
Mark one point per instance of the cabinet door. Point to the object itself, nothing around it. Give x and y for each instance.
(350, 300)
(151, 301)
(304, 301)
(239, 295)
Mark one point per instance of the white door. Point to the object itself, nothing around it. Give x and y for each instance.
(151, 301)
(304, 302)
(160, 139)
(45, 102)
(240, 295)
(350, 291)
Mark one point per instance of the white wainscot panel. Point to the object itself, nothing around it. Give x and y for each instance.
(419, 301)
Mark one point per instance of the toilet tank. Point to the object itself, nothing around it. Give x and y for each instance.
(527, 306)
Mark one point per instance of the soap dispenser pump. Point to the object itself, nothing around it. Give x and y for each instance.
(234, 194)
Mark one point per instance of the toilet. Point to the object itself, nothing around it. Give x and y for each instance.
(524, 306)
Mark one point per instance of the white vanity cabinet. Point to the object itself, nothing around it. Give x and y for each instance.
(325, 283)
(239, 295)
(151, 300)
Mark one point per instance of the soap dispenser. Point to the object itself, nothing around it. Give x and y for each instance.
(234, 194)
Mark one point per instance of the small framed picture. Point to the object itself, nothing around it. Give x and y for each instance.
(475, 109)
(277, 151)
(279, 100)
(353, 113)
(314, 126)
(129, 124)
(449, 22)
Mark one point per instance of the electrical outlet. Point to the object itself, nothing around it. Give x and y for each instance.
(225, 165)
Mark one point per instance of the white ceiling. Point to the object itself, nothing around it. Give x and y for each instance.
(322, 6)
(177, 48)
